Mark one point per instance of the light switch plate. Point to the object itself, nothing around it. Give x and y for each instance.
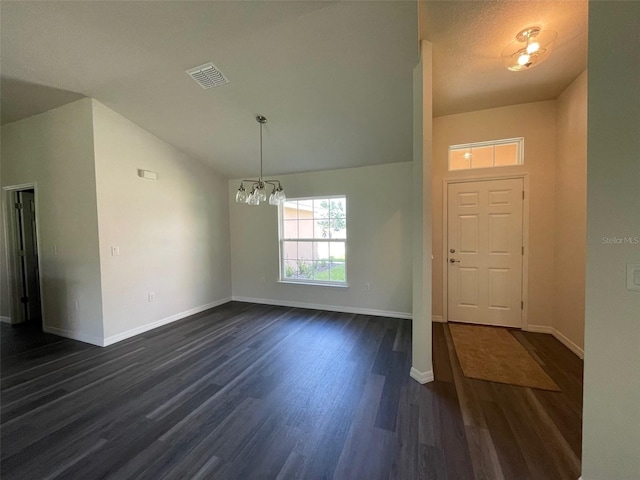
(147, 174)
(633, 276)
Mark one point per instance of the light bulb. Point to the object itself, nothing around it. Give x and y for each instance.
(523, 59)
(533, 47)
(241, 196)
(273, 200)
(253, 198)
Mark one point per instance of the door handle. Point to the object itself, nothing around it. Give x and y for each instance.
(453, 260)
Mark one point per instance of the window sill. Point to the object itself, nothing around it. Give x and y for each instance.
(315, 284)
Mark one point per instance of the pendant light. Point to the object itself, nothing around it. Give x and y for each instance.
(258, 193)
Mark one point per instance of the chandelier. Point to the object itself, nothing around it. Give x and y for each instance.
(531, 47)
(258, 186)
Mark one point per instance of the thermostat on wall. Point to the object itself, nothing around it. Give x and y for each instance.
(148, 174)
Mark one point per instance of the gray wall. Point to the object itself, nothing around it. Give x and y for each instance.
(611, 435)
(378, 246)
(172, 233)
(55, 149)
(570, 228)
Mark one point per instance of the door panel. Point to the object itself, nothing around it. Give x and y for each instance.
(484, 241)
(498, 288)
(468, 199)
(468, 233)
(468, 286)
(499, 197)
(499, 224)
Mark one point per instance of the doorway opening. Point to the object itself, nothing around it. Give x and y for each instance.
(23, 255)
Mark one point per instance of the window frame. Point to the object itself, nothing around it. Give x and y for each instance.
(519, 141)
(281, 240)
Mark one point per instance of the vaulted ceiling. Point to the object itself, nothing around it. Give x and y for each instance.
(334, 79)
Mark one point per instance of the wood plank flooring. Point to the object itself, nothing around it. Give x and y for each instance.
(248, 391)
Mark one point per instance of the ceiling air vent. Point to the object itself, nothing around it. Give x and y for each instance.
(207, 76)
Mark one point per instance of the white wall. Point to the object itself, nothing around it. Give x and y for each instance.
(55, 149)
(173, 233)
(378, 245)
(611, 433)
(571, 213)
(536, 122)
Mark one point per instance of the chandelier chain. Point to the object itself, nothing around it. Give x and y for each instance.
(258, 185)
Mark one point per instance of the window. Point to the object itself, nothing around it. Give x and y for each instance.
(313, 240)
(497, 153)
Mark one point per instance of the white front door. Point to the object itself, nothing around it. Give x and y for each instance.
(485, 251)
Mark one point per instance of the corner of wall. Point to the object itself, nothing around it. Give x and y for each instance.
(570, 215)
(172, 233)
(421, 377)
(422, 157)
(54, 152)
(93, 103)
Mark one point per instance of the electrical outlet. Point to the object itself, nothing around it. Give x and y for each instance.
(55, 250)
(367, 287)
(115, 251)
(152, 296)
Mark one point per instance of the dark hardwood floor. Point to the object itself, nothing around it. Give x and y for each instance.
(249, 391)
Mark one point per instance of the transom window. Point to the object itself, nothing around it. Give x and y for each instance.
(313, 240)
(497, 153)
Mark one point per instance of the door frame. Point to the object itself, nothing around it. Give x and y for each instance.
(525, 239)
(11, 242)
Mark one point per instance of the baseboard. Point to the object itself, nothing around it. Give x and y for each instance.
(568, 343)
(159, 323)
(330, 308)
(437, 318)
(5, 319)
(559, 336)
(81, 337)
(539, 329)
(421, 377)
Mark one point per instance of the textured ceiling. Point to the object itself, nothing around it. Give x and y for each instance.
(333, 78)
(468, 37)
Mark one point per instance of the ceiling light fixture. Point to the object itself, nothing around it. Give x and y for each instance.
(258, 193)
(531, 47)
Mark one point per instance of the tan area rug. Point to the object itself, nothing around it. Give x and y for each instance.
(492, 353)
